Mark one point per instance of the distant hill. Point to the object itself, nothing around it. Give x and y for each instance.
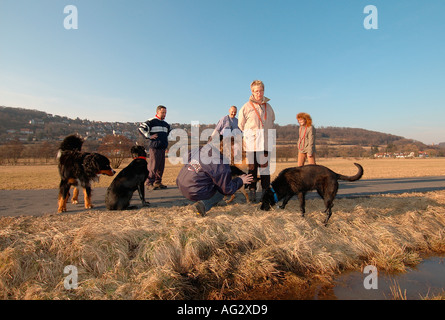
(342, 136)
(32, 126)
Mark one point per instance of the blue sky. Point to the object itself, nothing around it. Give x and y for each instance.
(198, 57)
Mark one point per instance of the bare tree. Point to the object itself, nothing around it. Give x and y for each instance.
(116, 148)
(13, 150)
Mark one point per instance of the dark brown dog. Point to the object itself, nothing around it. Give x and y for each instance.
(300, 180)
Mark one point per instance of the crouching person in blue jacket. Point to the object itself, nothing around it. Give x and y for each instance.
(206, 178)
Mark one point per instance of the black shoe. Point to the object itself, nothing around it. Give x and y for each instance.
(158, 186)
(200, 207)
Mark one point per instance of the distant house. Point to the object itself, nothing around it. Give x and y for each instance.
(35, 122)
(26, 131)
(400, 155)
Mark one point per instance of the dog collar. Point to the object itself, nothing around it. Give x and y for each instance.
(144, 158)
(275, 197)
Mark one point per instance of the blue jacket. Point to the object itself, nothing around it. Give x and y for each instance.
(152, 126)
(200, 181)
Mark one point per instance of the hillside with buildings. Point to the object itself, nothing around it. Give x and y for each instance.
(31, 127)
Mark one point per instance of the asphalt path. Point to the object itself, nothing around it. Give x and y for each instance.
(41, 202)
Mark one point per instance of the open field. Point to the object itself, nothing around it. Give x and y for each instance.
(47, 176)
(237, 252)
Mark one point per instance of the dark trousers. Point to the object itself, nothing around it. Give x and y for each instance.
(259, 159)
(156, 165)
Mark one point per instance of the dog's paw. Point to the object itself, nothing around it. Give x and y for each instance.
(74, 201)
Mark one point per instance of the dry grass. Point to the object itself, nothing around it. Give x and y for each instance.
(238, 251)
(47, 176)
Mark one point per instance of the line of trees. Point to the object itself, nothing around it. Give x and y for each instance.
(117, 149)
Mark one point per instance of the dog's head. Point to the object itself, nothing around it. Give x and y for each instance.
(236, 172)
(138, 151)
(268, 199)
(96, 164)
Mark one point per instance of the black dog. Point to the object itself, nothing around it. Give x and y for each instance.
(132, 177)
(292, 181)
(76, 166)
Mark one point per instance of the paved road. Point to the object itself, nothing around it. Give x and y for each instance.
(40, 202)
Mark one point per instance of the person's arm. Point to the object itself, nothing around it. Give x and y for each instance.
(272, 115)
(218, 128)
(311, 140)
(222, 178)
(144, 129)
(242, 118)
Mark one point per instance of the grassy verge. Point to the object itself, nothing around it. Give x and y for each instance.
(238, 251)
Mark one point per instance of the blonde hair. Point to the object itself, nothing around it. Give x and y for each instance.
(256, 83)
(305, 116)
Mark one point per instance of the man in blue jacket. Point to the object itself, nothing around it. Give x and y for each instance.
(207, 179)
(156, 130)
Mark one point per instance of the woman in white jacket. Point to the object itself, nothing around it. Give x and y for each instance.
(256, 119)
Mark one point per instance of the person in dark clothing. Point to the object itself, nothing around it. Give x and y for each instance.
(207, 179)
(156, 130)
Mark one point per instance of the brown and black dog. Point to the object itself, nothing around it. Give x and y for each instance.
(76, 166)
(236, 172)
(300, 180)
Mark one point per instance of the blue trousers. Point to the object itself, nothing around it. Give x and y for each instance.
(209, 203)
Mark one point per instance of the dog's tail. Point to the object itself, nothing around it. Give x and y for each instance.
(356, 177)
(70, 143)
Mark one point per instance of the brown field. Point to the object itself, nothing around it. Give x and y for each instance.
(47, 177)
(237, 252)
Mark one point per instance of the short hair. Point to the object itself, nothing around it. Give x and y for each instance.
(256, 83)
(305, 116)
(160, 107)
(233, 107)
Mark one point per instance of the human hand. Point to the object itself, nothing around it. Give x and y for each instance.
(247, 178)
